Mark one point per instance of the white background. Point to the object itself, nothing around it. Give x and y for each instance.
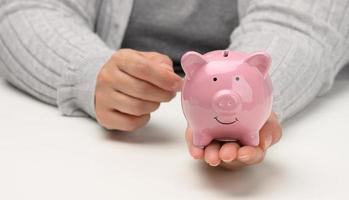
(44, 155)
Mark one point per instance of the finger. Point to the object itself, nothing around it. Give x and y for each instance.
(212, 154)
(276, 134)
(270, 133)
(140, 89)
(250, 155)
(147, 70)
(160, 58)
(196, 152)
(229, 152)
(114, 120)
(130, 105)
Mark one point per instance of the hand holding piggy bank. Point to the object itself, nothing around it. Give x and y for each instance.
(226, 95)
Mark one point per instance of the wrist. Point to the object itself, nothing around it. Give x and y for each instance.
(76, 94)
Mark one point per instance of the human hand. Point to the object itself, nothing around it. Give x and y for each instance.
(131, 85)
(233, 156)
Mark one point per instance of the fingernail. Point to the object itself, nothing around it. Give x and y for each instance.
(267, 141)
(244, 158)
(166, 66)
(227, 161)
(214, 164)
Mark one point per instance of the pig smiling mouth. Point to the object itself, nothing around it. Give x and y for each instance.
(226, 123)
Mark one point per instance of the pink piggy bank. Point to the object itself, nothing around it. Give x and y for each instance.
(226, 95)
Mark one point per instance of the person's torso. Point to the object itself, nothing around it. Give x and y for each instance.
(175, 26)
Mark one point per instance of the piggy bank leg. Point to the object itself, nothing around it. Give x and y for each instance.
(251, 139)
(201, 139)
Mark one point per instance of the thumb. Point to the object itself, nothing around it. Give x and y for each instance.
(270, 133)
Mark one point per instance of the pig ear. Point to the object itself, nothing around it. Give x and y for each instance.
(191, 62)
(260, 60)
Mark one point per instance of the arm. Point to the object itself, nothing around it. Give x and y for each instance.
(308, 41)
(49, 50)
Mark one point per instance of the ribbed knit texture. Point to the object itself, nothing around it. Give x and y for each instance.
(308, 41)
(54, 49)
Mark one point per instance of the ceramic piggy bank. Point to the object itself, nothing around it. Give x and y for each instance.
(226, 95)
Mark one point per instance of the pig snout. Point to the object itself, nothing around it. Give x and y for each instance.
(226, 102)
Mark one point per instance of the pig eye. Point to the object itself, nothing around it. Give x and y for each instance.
(237, 78)
(215, 79)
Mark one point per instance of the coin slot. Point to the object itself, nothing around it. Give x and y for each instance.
(226, 53)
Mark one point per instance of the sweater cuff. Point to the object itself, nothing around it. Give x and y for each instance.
(76, 91)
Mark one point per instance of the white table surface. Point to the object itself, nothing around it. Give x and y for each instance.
(46, 156)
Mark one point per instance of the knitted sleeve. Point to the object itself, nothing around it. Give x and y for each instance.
(308, 41)
(49, 49)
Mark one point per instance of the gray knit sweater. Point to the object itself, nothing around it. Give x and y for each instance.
(54, 49)
(174, 27)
